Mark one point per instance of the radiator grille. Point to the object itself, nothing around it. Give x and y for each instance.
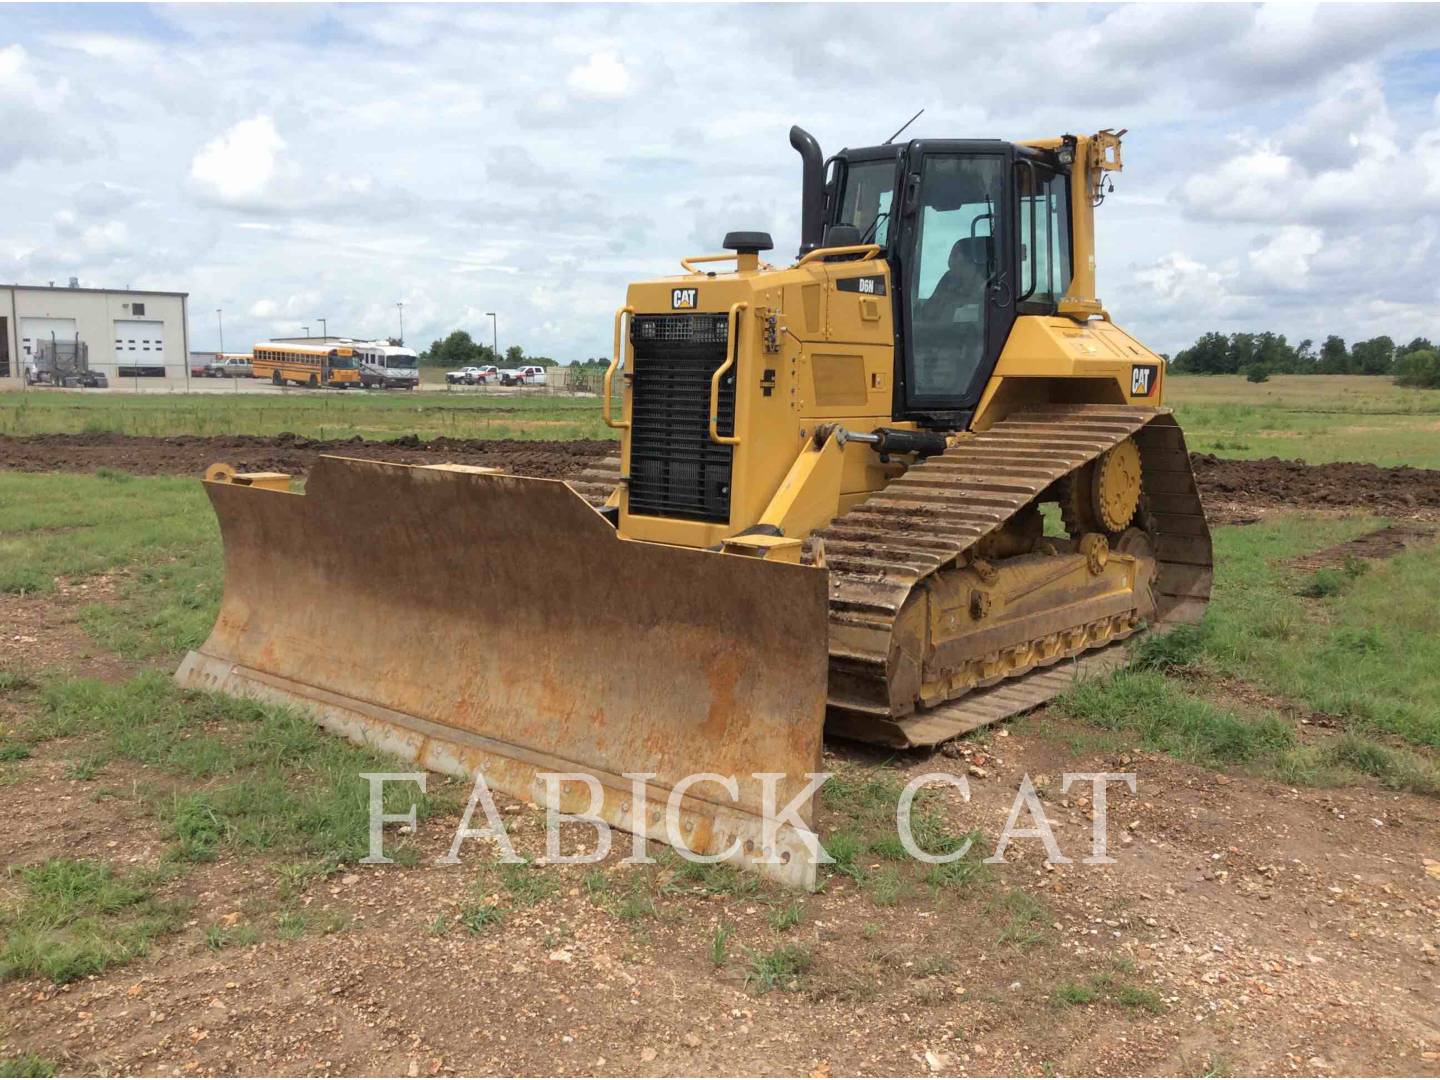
(675, 470)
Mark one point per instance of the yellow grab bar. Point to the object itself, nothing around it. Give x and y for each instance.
(869, 251)
(610, 371)
(689, 261)
(732, 342)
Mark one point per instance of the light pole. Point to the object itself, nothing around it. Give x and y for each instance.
(306, 329)
(220, 322)
(494, 336)
(324, 334)
(400, 307)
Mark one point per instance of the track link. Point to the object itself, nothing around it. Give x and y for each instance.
(927, 521)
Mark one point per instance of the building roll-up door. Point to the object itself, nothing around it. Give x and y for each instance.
(34, 331)
(140, 348)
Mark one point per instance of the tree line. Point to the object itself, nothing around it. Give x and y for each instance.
(1258, 356)
(458, 349)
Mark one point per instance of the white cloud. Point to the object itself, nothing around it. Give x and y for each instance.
(32, 120)
(1342, 159)
(603, 76)
(1176, 280)
(238, 166)
(1283, 260)
(1282, 170)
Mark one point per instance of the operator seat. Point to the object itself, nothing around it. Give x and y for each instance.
(963, 283)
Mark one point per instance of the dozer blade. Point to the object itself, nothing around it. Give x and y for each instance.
(467, 622)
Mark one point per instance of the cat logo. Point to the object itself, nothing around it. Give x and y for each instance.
(1142, 379)
(684, 299)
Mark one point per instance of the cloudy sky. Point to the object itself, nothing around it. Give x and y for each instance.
(287, 163)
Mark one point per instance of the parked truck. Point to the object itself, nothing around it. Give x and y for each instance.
(63, 363)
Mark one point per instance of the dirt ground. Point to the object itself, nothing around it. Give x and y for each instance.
(1267, 929)
(191, 454)
(1234, 490)
(1273, 930)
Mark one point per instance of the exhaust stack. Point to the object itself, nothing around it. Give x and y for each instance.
(812, 185)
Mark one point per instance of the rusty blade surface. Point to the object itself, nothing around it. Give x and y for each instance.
(487, 621)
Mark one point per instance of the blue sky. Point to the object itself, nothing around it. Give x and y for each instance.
(286, 163)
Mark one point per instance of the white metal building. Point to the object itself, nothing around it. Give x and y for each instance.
(129, 334)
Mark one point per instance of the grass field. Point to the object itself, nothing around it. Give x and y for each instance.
(1311, 418)
(316, 415)
(1314, 418)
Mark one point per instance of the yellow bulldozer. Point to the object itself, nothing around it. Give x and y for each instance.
(906, 486)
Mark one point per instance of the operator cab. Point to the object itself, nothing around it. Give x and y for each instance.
(976, 232)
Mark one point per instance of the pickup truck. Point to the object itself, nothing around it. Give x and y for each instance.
(470, 376)
(529, 375)
(226, 367)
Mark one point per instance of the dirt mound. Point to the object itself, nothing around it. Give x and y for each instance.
(1271, 482)
(146, 456)
(1234, 491)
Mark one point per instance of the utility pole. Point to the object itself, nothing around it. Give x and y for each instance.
(220, 322)
(400, 307)
(494, 336)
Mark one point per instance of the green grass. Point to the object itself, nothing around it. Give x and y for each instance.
(1074, 994)
(66, 918)
(1313, 418)
(1368, 650)
(864, 842)
(220, 936)
(720, 944)
(477, 917)
(787, 917)
(779, 969)
(714, 879)
(269, 779)
(317, 416)
(26, 1064)
(1024, 920)
(1109, 987)
(1360, 642)
(527, 884)
(62, 524)
(1167, 718)
(291, 924)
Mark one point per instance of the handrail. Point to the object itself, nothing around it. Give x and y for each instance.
(732, 328)
(605, 415)
(689, 269)
(869, 251)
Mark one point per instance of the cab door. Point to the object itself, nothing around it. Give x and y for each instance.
(954, 260)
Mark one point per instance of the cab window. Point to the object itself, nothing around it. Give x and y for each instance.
(1044, 238)
(869, 189)
(955, 262)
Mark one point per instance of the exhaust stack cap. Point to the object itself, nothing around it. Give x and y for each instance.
(748, 243)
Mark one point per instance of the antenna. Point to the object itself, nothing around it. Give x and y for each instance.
(903, 126)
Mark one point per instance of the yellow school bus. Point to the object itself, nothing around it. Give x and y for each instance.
(307, 365)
